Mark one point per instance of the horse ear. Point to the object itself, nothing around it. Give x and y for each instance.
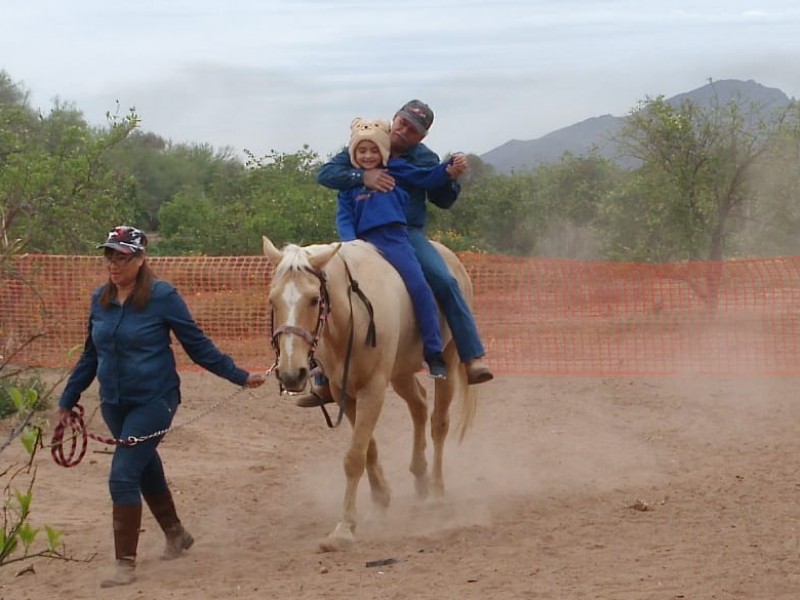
(270, 251)
(318, 261)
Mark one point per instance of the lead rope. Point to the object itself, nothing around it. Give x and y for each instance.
(80, 436)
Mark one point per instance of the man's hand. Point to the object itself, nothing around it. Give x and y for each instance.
(458, 166)
(378, 180)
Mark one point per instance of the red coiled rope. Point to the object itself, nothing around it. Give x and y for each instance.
(79, 436)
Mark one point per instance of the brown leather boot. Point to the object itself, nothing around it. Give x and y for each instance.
(478, 371)
(127, 520)
(178, 539)
(317, 397)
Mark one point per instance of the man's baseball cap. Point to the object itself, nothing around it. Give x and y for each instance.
(418, 114)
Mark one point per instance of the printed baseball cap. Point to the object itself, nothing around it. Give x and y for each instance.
(127, 240)
(418, 114)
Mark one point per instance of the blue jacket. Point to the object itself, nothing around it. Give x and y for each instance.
(130, 353)
(339, 174)
(361, 209)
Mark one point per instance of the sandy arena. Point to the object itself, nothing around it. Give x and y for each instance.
(612, 489)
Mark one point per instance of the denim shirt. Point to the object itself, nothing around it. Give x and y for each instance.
(130, 351)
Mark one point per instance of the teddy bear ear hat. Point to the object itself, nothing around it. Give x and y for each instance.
(375, 130)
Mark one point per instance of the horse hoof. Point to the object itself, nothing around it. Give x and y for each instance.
(341, 539)
(331, 544)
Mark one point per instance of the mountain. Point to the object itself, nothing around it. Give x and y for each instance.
(578, 139)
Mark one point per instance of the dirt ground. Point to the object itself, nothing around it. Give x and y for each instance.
(565, 488)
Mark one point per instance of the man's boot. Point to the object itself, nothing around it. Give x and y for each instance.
(478, 371)
(163, 509)
(127, 520)
(318, 396)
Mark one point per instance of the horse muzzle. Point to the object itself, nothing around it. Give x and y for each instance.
(292, 380)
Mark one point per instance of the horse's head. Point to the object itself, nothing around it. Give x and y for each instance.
(298, 299)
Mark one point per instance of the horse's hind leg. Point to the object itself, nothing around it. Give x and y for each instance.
(440, 426)
(411, 390)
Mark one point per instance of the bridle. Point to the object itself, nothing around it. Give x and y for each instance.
(313, 338)
(324, 304)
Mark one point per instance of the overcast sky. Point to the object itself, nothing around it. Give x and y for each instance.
(265, 75)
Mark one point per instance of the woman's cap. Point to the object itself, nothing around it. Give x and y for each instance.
(127, 240)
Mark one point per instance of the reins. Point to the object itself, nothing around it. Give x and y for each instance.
(370, 340)
(79, 436)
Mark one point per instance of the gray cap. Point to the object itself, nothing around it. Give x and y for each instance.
(418, 114)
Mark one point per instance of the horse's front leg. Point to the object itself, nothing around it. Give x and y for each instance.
(380, 492)
(367, 409)
(410, 389)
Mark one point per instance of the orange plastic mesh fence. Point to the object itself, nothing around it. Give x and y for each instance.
(536, 316)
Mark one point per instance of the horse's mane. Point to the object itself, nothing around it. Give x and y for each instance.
(294, 258)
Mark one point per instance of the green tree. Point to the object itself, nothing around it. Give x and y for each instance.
(573, 191)
(772, 222)
(694, 182)
(547, 211)
(507, 213)
(278, 196)
(159, 170)
(57, 192)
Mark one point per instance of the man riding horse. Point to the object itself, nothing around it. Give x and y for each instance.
(409, 127)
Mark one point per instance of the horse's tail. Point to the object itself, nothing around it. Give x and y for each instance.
(468, 396)
(469, 406)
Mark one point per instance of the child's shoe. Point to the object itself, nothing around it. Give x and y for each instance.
(437, 367)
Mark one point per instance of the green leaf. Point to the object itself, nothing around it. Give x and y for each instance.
(29, 437)
(24, 501)
(53, 538)
(17, 399)
(27, 534)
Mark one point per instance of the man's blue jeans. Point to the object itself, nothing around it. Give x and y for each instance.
(448, 295)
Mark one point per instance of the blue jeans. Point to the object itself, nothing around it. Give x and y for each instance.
(137, 470)
(392, 242)
(448, 294)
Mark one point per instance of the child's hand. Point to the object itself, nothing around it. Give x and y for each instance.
(458, 166)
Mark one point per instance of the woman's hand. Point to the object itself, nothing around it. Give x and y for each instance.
(255, 380)
(63, 416)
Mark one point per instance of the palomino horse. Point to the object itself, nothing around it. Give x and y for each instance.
(329, 304)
